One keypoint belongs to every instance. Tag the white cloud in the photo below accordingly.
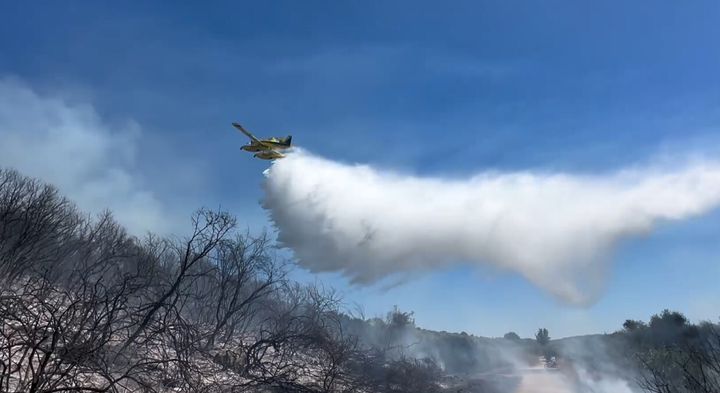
(68, 145)
(555, 229)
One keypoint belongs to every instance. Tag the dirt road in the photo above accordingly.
(541, 380)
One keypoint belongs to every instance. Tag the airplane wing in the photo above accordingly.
(244, 131)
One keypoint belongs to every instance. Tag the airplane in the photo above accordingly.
(265, 149)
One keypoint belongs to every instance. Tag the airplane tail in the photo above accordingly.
(287, 141)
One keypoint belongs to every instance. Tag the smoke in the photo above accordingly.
(555, 229)
(69, 145)
(598, 364)
(602, 383)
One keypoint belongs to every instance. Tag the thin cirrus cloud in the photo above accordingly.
(68, 144)
(556, 229)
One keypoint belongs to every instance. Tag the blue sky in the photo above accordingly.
(422, 87)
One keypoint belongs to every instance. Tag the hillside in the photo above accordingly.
(86, 307)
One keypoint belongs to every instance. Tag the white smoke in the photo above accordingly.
(69, 145)
(602, 383)
(555, 229)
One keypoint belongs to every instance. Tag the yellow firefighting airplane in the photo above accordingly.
(266, 149)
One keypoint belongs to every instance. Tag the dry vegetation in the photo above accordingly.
(84, 307)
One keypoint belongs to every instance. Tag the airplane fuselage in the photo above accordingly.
(266, 145)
